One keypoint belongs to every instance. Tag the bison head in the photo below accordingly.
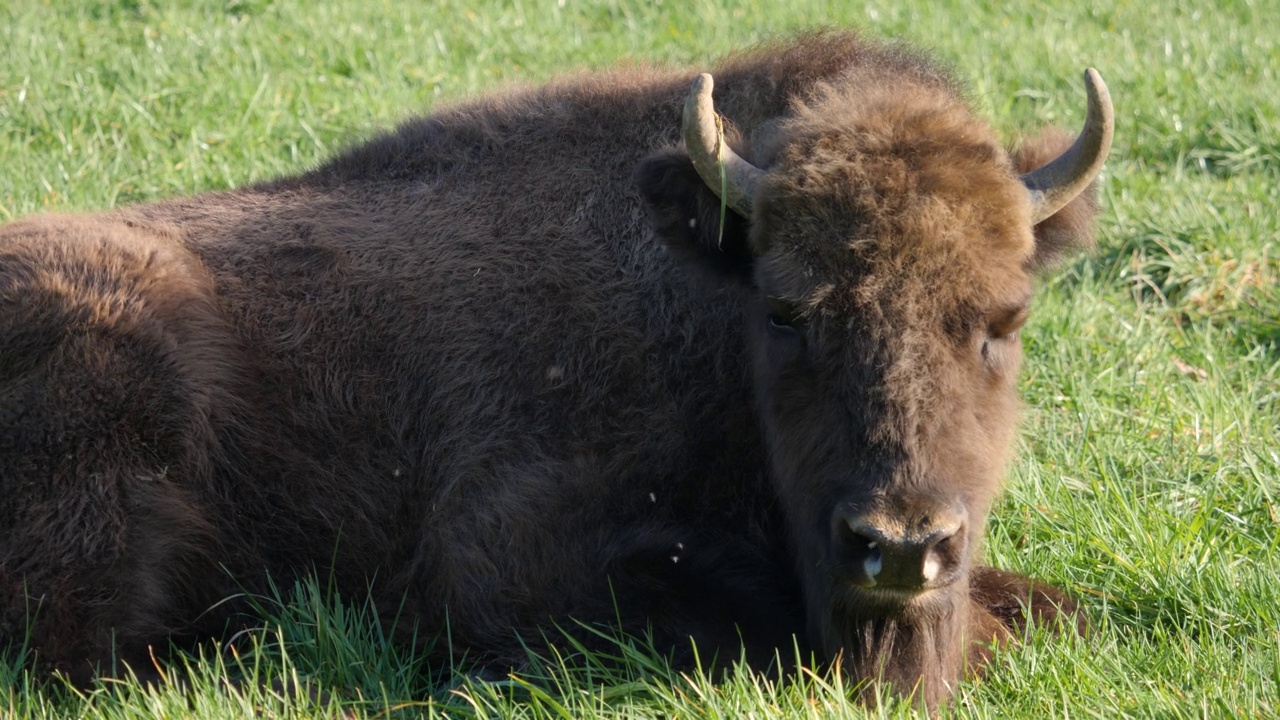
(885, 245)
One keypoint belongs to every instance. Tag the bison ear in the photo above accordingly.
(686, 215)
(1070, 229)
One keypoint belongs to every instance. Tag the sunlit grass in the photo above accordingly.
(1148, 478)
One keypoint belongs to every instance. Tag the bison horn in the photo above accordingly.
(1055, 184)
(730, 177)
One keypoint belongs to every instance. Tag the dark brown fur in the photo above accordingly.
(456, 361)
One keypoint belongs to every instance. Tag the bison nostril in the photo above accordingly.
(859, 549)
(939, 558)
(931, 567)
(879, 552)
(871, 565)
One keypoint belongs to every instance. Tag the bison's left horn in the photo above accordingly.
(730, 177)
(1055, 184)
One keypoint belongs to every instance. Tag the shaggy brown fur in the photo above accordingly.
(468, 360)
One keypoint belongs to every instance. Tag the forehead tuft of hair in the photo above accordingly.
(876, 178)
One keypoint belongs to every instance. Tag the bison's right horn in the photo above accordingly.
(1055, 184)
(730, 177)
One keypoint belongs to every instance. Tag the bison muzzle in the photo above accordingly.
(738, 369)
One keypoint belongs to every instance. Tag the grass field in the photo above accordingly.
(1148, 477)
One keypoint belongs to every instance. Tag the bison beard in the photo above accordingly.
(468, 359)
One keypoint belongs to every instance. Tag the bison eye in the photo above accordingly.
(992, 345)
(785, 328)
(786, 337)
(784, 317)
(780, 323)
(1002, 327)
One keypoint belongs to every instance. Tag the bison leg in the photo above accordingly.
(103, 546)
(1008, 597)
(1002, 602)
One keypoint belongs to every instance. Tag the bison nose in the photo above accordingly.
(884, 552)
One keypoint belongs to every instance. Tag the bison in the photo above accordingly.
(597, 352)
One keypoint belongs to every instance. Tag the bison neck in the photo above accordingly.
(919, 654)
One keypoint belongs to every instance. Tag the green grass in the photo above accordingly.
(1148, 480)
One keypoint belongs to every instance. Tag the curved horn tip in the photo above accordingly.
(703, 84)
(699, 102)
(1099, 97)
(1055, 184)
(1093, 78)
(716, 163)
(700, 110)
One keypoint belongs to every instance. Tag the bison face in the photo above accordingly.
(885, 245)
(885, 387)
